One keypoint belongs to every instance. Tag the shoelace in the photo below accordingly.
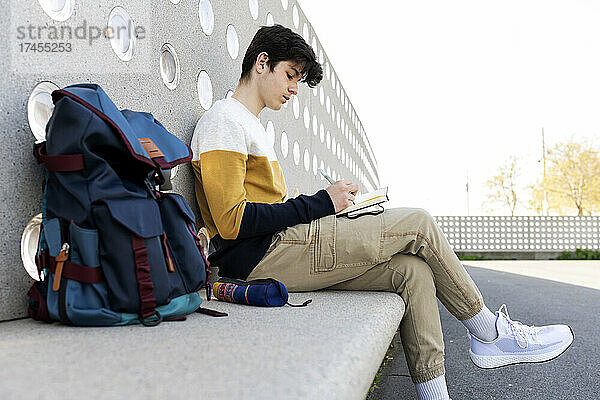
(518, 329)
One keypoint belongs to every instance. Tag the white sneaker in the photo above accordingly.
(517, 343)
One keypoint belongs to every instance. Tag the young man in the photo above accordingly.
(254, 233)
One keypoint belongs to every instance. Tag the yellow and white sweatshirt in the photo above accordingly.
(240, 188)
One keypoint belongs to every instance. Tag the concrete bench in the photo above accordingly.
(330, 349)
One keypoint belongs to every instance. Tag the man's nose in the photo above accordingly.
(293, 89)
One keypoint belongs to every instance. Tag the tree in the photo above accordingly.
(572, 180)
(503, 187)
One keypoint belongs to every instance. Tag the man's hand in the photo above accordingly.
(342, 194)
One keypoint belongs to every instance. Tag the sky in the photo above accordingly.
(447, 91)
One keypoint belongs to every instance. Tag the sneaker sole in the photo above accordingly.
(488, 362)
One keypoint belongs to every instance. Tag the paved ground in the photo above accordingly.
(584, 273)
(534, 301)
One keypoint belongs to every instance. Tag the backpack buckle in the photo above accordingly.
(164, 179)
(150, 183)
(161, 177)
(148, 321)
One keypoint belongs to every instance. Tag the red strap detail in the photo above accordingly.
(142, 273)
(175, 319)
(212, 313)
(77, 272)
(60, 163)
(199, 245)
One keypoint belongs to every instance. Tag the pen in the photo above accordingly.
(328, 177)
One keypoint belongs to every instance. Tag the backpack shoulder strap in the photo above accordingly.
(59, 163)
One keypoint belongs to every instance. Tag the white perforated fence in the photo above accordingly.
(521, 233)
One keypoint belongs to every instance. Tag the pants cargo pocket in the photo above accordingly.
(358, 241)
(274, 241)
(297, 234)
(324, 238)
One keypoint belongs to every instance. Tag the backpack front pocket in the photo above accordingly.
(178, 221)
(87, 303)
(131, 254)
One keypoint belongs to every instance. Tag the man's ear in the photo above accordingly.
(261, 61)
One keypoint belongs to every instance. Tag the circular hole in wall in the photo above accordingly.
(121, 31)
(169, 66)
(205, 92)
(295, 16)
(296, 151)
(306, 160)
(253, 6)
(306, 117)
(207, 17)
(29, 245)
(58, 10)
(284, 144)
(233, 44)
(296, 106)
(39, 109)
(174, 171)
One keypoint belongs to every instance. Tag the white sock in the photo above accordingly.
(434, 389)
(482, 325)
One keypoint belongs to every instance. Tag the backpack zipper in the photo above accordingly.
(60, 260)
(167, 254)
(172, 268)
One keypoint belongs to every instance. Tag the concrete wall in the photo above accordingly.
(303, 133)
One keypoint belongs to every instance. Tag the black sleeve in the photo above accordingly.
(264, 218)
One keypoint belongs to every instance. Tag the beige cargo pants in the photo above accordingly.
(401, 250)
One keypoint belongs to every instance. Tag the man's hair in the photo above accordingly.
(282, 44)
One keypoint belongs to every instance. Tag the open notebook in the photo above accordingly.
(366, 203)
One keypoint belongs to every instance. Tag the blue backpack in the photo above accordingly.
(113, 250)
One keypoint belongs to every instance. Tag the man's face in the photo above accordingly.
(279, 85)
